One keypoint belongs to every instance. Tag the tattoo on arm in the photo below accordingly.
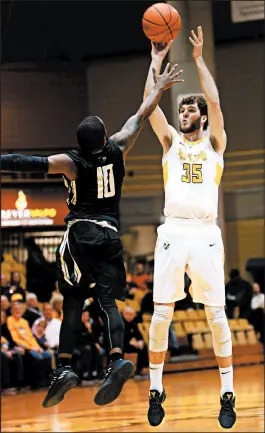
(128, 134)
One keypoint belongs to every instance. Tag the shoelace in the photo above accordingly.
(227, 407)
(155, 404)
(107, 373)
(53, 378)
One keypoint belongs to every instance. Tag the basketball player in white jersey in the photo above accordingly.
(190, 239)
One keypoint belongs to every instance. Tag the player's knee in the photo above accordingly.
(158, 333)
(221, 334)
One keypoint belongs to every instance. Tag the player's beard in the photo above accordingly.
(193, 127)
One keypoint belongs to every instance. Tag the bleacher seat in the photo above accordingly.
(202, 325)
(178, 328)
(180, 315)
(198, 342)
(201, 314)
(192, 314)
(189, 326)
(241, 338)
(251, 337)
(147, 317)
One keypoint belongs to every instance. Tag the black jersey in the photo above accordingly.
(97, 190)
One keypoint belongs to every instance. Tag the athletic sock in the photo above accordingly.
(63, 361)
(226, 375)
(156, 372)
(115, 356)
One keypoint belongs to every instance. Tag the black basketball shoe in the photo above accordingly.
(118, 373)
(227, 416)
(156, 412)
(63, 380)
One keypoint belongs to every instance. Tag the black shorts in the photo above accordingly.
(91, 255)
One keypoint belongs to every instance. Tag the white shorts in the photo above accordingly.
(195, 248)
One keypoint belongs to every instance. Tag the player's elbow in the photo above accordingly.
(214, 104)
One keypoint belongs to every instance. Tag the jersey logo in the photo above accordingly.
(211, 245)
(102, 159)
(166, 245)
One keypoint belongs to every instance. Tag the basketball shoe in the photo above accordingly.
(227, 416)
(118, 372)
(63, 380)
(156, 412)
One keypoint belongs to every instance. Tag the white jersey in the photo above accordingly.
(192, 173)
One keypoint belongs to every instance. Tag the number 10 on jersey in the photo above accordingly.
(106, 185)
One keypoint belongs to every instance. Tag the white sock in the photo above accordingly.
(226, 375)
(156, 372)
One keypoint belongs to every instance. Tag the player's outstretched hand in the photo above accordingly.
(159, 51)
(168, 77)
(197, 42)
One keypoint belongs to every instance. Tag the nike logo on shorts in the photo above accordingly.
(211, 245)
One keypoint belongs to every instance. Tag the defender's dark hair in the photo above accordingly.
(90, 134)
(200, 101)
(234, 273)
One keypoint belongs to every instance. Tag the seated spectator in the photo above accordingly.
(32, 311)
(5, 286)
(88, 354)
(53, 327)
(257, 311)
(128, 275)
(57, 305)
(16, 298)
(147, 303)
(238, 293)
(15, 286)
(5, 305)
(140, 277)
(39, 334)
(133, 341)
(39, 360)
(12, 368)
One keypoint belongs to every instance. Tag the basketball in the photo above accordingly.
(161, 23)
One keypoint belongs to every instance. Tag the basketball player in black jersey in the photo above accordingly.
(89, 258)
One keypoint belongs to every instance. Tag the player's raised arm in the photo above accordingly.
(55, 164)
(158, 120)
(128, 134)
(209, 88)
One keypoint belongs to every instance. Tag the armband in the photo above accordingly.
(32, 164)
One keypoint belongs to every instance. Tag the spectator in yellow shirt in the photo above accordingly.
(38, 359)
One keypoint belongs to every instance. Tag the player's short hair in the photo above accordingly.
(91, 134)
(234, 273)
(200, 101)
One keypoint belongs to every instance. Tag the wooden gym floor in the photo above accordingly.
(192, 405)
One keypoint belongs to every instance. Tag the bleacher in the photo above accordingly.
(193, 324)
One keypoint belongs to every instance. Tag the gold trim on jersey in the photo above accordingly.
(165, 173)
(219, 172)
(192, 143)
